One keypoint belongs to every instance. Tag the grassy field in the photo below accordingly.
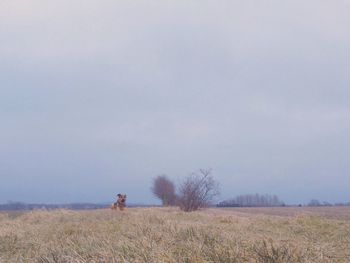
(169, 235)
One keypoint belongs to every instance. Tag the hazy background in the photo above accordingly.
(99, 96)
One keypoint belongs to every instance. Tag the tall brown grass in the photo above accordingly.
(169, 235)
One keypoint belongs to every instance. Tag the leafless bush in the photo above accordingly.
(164, 189)
(197, 190)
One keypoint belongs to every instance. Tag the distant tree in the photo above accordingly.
(325, 203)
(314, 202)
(164, 189)
(197, 190)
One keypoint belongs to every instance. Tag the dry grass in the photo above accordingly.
(169, 235)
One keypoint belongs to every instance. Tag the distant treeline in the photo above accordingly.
(315, 202)
(266, 200)
(19, 206)
(252, 200)
(255, 200)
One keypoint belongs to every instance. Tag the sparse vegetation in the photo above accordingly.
(170, 235)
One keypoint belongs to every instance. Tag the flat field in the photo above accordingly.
(169, 235)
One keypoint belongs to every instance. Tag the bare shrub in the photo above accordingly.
(197, 190)
(164, 189)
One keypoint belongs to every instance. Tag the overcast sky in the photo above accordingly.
(98, 97)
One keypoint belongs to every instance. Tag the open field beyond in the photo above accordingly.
(169, 235)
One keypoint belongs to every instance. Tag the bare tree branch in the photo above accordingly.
(197, 190)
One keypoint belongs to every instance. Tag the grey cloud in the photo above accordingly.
(98, 96)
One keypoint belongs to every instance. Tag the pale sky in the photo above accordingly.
(98, 97)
